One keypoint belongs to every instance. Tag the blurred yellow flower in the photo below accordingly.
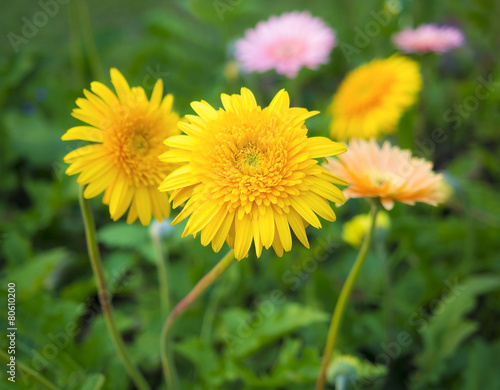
(231, 71)
(250, 174)
(372, 98)
(446, 190)
(354, 230)
(128, 131)
(387, 173)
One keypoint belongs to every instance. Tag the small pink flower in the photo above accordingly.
(286, 43)
(428, 38)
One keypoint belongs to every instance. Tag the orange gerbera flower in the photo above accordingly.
(388, 173)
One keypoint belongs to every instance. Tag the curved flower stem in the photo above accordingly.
(162, 272)
(34, 375)
(104, 295)
(342, 301)
(182, 306)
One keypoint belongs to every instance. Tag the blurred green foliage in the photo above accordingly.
(264, 324)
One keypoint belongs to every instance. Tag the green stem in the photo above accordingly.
(75, 45)
(88, 39)
(342, 301)
(182, 306)
(105, 296)
(162, 271)
(211, 308)
(382, 252)
(34, 375)
(216, 296)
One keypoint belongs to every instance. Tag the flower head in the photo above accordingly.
(447, 189)
(354, 230)
(128, 131)
(372, 98)
(353, 369)
(388, 173)
(428, 38)
(250, 174)
(286, 43)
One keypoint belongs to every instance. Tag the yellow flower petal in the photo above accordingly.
(323, 147)
(175, 156)
(104, 93)
(222, 233)
(243, 237)
(157, 94)
(280, 102)
(295, 221)
(84, 133)
(121, 86)
(209, 231)
(283, 230)
(301, 206)
(181, 177)
(143, 205)
(181, 142)
(266, 223)
(204, 110)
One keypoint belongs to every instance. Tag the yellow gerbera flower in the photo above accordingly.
(372, 98)
(354, 230)
(128, 131)
(250, 174)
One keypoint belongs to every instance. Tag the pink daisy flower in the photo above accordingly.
(286, 43)
(428, 38)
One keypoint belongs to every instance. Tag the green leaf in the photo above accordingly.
(93, 382)
(204, 358)
(33, 138)
(123, 235)
(36, 274)
(15, 247)
(246, 332)
(478, 374)
(294, 365)
(447, 329)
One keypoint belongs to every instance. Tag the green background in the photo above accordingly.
(264, 324)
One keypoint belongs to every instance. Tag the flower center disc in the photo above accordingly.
(249, 159)
(140, 145)
(381, 178)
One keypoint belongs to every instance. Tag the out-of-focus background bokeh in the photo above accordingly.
(426, 307)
